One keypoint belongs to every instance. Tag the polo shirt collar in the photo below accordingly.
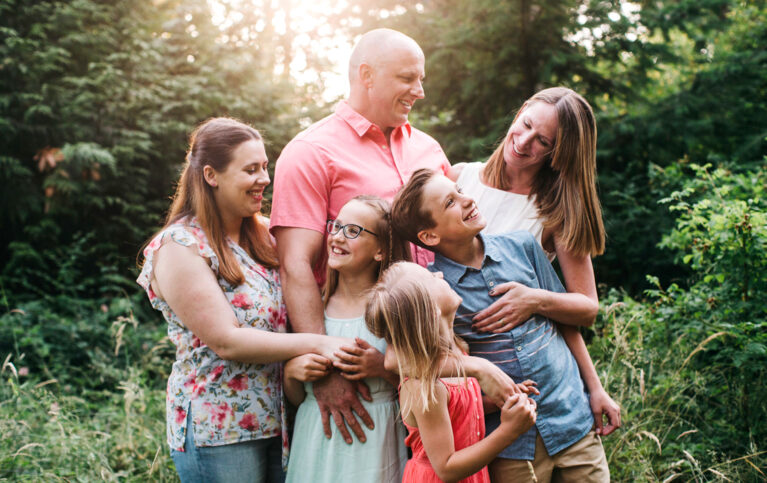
(454, 271)
(358, 122)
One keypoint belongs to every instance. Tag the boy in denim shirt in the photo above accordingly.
(431, 212)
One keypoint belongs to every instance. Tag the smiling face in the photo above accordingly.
(456, 217)
(359, 254)
(239, 189)
(394, 83)
(532, 135)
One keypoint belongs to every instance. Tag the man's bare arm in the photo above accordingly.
(298, 250)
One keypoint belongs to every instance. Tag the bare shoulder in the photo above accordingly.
(410, 396)
(455, 171)
(174, 258)
(172, 252)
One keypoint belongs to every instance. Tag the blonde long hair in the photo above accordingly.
(212, 143)
(565, 187)
(402, 312)
(394, 248)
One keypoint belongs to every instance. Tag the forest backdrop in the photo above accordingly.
(97, 99)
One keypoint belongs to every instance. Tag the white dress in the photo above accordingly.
(503, 211)
(380, 459)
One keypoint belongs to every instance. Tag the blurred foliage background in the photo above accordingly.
(97, 99)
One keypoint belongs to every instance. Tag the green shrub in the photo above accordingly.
(82, 392)
(86, 345)
(689, 365)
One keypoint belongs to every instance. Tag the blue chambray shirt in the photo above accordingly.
(533, 350)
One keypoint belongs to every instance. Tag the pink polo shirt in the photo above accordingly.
(340, 157)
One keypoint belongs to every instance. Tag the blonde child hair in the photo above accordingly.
(402, 312)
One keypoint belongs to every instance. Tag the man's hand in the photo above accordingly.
(338, 397)
(603, 405)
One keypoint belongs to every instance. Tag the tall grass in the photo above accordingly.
(108, 425)
(666, 435)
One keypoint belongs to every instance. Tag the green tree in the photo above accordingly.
(96, 100)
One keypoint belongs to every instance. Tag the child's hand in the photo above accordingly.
(495, 383)
(359, 361)
(528, 387)
(307, 367)
(518, 415)
(330, 345)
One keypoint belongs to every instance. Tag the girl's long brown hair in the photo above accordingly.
(565, 187)
(212, 143)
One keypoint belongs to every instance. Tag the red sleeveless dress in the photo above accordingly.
(468, 421)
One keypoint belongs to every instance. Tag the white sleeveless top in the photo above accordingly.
(503, 211)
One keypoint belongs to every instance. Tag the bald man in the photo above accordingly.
(366, 146)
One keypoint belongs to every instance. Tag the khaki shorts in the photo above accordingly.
(584, 461)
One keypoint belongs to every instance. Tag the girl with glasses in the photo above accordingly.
(360, 247)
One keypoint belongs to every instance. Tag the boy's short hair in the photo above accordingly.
(409, 216)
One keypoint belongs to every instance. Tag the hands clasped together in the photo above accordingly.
(338, 392)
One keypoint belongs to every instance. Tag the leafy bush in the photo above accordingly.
(690, 365)
(86, 345)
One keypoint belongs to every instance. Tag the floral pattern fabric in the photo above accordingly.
(230, 401)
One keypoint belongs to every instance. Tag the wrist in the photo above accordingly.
(593, 384)
(289, 370)
(541, 300)
(596, 389)
(317, 343)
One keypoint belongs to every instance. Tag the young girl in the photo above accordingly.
(413, 310)
(360, 246)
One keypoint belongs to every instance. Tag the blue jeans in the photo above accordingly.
(258, 461)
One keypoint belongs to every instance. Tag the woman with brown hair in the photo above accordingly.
(542, 178)
(212, 272)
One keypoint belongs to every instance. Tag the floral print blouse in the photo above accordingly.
(230, 401)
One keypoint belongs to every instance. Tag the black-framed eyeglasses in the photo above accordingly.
(351, 231)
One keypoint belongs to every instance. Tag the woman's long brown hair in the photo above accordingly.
(565, 187)
(212, 143)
